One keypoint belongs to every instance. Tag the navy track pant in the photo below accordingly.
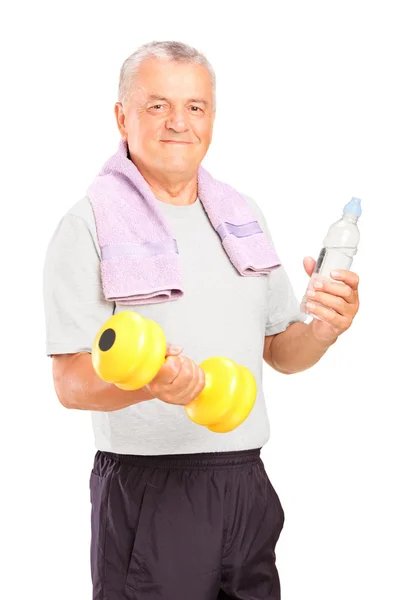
(184, 527)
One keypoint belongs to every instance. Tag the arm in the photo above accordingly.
(75, 309)
(301, 346)
(78, 386)
(179, 381)
(291, 346)
(294, 350)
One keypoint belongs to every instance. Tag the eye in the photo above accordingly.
(196, 108)
(157, 108)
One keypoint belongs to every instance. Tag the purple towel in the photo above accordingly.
(139, 256)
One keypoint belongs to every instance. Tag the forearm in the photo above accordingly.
(78, 386)
(296, 349)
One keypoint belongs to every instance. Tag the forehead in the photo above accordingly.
(175, 79)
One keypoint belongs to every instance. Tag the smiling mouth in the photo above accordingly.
(174, 142)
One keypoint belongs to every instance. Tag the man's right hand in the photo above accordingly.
(179, 381)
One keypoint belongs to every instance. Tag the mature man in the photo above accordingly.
(178, 512)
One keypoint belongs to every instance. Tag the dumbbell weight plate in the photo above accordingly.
(228, 395)
(243, 405)
(129, 350)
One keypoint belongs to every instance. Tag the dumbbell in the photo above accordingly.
(129, 350)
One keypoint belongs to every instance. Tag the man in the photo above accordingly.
(179, 512)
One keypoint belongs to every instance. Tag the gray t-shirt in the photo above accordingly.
(221, 313)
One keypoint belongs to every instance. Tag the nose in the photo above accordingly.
(177, 121)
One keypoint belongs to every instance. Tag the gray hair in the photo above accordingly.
(161, 50)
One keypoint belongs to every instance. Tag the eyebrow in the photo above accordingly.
(163, 99)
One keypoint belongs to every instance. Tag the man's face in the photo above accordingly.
(169, 119)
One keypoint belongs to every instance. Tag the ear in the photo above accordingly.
(212, 125)
(120, 118)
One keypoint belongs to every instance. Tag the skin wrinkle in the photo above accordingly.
(162, 107)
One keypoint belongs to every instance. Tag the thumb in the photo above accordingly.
(172, 350)
(168, 371)
(309, 264)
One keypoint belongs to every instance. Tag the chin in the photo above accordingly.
(177, 167)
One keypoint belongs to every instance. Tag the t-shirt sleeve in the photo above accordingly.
(74, 304)
(283, 308)
(282, 305)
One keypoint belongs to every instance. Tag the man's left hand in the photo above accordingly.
(337, 306)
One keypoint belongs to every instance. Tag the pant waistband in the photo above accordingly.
(206, 460)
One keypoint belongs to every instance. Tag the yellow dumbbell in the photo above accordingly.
(129, 350)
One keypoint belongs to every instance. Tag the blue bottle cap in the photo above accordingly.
(353, 207)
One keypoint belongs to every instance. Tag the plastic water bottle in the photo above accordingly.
(338, 248)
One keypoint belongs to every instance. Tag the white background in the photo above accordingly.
(308, 116)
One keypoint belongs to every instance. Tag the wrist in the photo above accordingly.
(322, 341)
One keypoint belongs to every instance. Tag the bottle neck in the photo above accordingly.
(350, 218)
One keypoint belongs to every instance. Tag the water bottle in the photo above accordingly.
(338, 248)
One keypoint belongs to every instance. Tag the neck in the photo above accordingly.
(173, 189)
(180, 193)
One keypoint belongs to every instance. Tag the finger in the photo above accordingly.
(195, 388)
(198, 381)
(309, 264)
(169, 371)
(185, 377)
(172, 350)
(201, 382)
(349, 277)
(336, 303)
(328, 315)
(336, 289)
(176, 385)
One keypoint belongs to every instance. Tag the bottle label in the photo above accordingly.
(320, 261)
(331, 259)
